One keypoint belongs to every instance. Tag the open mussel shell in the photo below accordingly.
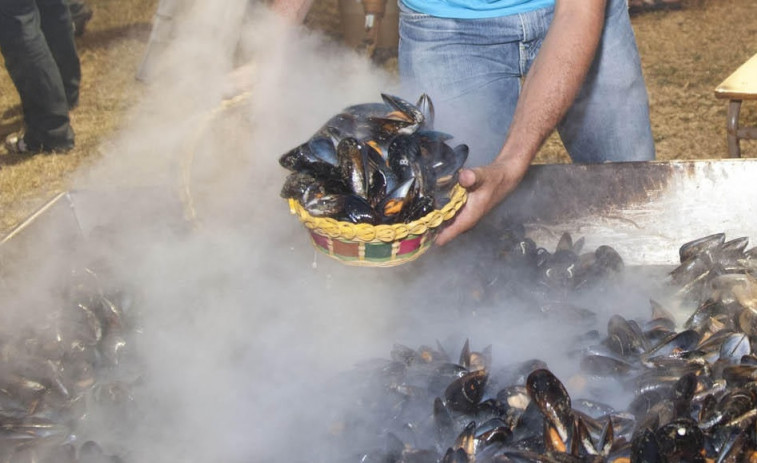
(404, 110)
(464, 393)
(426, 107)
(395, 202)
(313, 157)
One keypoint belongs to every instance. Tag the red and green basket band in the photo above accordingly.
(374, 253)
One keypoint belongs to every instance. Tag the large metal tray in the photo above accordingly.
(645, 209)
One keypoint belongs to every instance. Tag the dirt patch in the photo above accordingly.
(685, 54)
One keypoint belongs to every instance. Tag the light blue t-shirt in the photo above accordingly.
(472, 9)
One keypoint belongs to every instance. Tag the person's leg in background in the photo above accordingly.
(59, 29)
(37, 78)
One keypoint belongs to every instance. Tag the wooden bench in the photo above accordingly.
(739, 86)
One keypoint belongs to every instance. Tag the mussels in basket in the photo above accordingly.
(375, 163)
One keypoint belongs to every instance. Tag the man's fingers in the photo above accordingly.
(467, 178)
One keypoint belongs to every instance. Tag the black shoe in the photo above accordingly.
(15, 144)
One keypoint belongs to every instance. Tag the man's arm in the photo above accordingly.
(548, 91)
(292, 10)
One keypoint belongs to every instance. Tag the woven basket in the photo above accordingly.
(369, 245)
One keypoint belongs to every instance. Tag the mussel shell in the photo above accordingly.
(323, 148)
(464, 393)
(328, 205)
(700, 246)
(357, 210)
(404, 157)
(353, 157)
(681, 438)
(624, 337)
(683, 341)
(299, 185)
(407, 109)
(599, 363)
(391, 207)
(734, 347)
(426, 107)
(303, 159)
(550, 395)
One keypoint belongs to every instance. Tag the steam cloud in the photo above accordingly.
(243, 328)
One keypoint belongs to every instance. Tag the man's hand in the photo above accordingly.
(486, 187)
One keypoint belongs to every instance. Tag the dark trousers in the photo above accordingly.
(37, 43)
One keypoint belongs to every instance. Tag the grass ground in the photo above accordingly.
(684, 53)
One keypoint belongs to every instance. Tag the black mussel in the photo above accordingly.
(420, 207)
(608, 259)
(734, 347)
(357, 210)
(426, 107)
(559, 269)
(352, 157)
(404, 110)
(689, 270)
(404, 157)
(446, 173)
(383, 129)
(680, 439)
(700, 246)
(674, 344)
(747, 318)
(739, 375)
(706, 311)
(299, 185)
(733, 249)
(645, 448)
(464, 393)
(736, 445)
(491, 431)
(466, 440)
(550, 395)
(324, 148)
(395, 201)
(624, 337)
(304, 159)
(329, 205)
(734, 404)
(598, 363)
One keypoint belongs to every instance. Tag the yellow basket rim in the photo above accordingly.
(367, 233)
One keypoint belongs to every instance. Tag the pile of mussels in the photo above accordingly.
(694, 387)
(375, 163)
(58, 373)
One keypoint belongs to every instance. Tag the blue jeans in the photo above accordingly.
(37, 43)
(472, 70)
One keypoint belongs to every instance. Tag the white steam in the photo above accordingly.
(242, 326)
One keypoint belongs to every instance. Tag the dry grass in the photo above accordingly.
(685, 54)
